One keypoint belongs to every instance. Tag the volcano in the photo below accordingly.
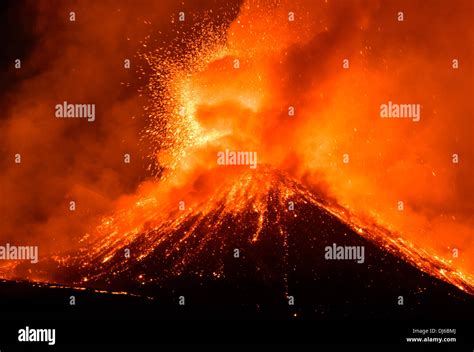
(260, 241)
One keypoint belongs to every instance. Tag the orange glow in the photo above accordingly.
(204, 101)
(284, 64)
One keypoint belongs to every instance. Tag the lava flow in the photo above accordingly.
(271, 220)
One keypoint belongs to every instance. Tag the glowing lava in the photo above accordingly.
(263, 214)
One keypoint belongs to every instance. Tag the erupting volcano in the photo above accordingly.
(265, 151)
(258, 239)
(261, 226)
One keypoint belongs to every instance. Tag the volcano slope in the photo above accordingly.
(257, 246)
